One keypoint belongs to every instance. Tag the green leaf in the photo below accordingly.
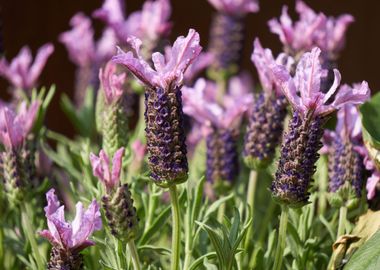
(367, 257)
(159, 250)
(370, 112)
(198, 262)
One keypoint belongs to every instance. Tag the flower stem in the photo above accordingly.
(342, 221)
(176, 240)
(134, 255)
(281, 237)
(251, 202)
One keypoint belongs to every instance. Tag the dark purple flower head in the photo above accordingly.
(312, 29)
(311, 108)
(21, 72)
(149, 24)
(220, 123)
(235, 7)
(80, 43)
(14, 127)
(71, 236)
(345, 162)
(163, 105)
(168, 70)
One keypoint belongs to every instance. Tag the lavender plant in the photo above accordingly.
(163, 134)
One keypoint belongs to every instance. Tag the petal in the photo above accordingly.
(154, 19)
(112, 84)
(371, 185)
(112, 12)
(90, 221)
(199, 64)
(97, 169)
(356, 95)
(35, 70)
(284, 80)
(183, 53)
(117, 166)
(137, 67)
(27, 117)
(105, 165)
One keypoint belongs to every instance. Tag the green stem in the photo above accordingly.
(29, 231)
(342, 221)
(251, 202)
(281, 238)
(188, 237)
(151, 207)
(176, 240)
(221, 211)
(135, 256)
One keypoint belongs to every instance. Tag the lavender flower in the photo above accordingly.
(21, 72)
(14, 129)
(227, 34)
(235, 7)
(203, 61)
(220, 122)
(85, 53)
(301, 143)
(149, 24)
(163, 113)
(117, 202)
(266, 117)
(311, 30)
(69, 239)
(345, 162)
(114, 120)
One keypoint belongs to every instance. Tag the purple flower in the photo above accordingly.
(169, 69)
(139, 150)
(220, 123)
(235, 7)
(303, 91)
(311, 30)
(80, 43)
(201, 103)
(14, 127)
(263, 60)
(345, 162)
(311, 107)
(21, 72)
(101, 168)
(70, 236)
(202, 62)
(112, 83)
(149, 24)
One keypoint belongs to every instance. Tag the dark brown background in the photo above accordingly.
(35, 22)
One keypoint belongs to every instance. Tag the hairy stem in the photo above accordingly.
(251, 202)
(342, 221)
(134, 255)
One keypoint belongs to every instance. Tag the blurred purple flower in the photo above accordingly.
(303, 91)
(70, 236)
(21, 72)
(101, 168)
(169, 69)
(149, 24)
(264, 61)
(80, 43)
(139, 150)
(112, 83)
(201, 103)
(14, 127)
(235, 7)
(202, 62)
(311, 30)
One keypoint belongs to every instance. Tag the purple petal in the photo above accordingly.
(112, 12)
(199, 64)
(237, 8)
(356, 95)
(283, 28)
(117, 166)
(349, 122)
(137, 66)
(35, 70)
(371, 185)
(112, 84)
(79, 41)
(154, 19)
(85, 223)
(139, 149)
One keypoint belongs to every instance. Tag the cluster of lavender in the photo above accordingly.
(301, 83)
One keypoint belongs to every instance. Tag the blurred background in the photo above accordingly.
(35, 22)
